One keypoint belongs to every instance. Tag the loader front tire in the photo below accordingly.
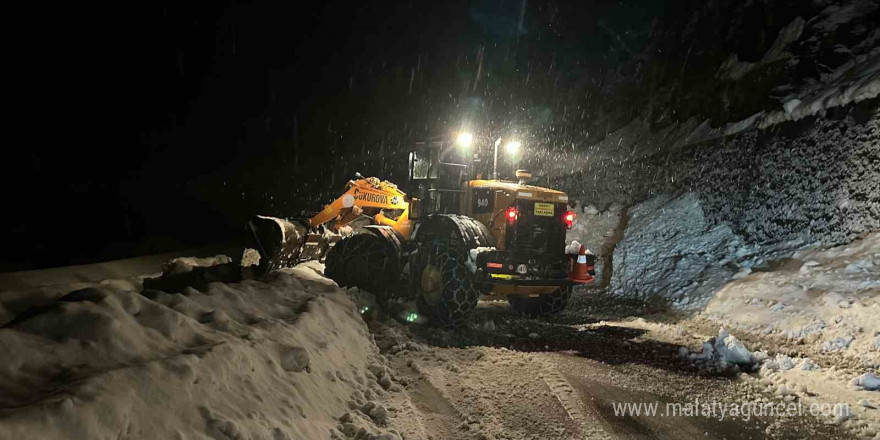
(364, 261)
(542, 305)
(446, 292)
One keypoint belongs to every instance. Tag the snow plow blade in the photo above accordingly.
(278, 241)
(284, 243)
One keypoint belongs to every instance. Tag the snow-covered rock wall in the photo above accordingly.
(749, 198)
(817, 181)
(671, 250)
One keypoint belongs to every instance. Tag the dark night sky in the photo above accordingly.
(158, 114)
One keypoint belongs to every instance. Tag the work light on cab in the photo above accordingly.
(464, 140)
(568, 219)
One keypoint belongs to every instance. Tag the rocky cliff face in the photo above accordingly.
(672, 250)
(816, 180)
(778, 149)
(749, 199)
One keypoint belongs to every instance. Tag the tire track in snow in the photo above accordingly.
(568, 398)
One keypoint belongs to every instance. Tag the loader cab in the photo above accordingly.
(437, 171)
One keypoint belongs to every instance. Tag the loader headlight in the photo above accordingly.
(465, 140)
(513, 148)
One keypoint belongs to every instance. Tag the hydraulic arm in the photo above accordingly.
(283, 243)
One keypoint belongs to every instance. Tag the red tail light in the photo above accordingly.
(568, 219)
(511, 214)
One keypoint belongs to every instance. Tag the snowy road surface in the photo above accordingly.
(529, 379)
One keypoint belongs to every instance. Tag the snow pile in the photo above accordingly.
(837, 344)
(731, 350)
(868, 381)
(573, 248)
(783, 363)
(725, 353)
(22, 290)
(829, 309)
(181, 274)
(801, 380)
(281, 358)
(722, 353)
(828, 315)
(186, 264)
(780, 362)
(471, 263)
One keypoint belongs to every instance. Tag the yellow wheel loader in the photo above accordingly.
(455, 240)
